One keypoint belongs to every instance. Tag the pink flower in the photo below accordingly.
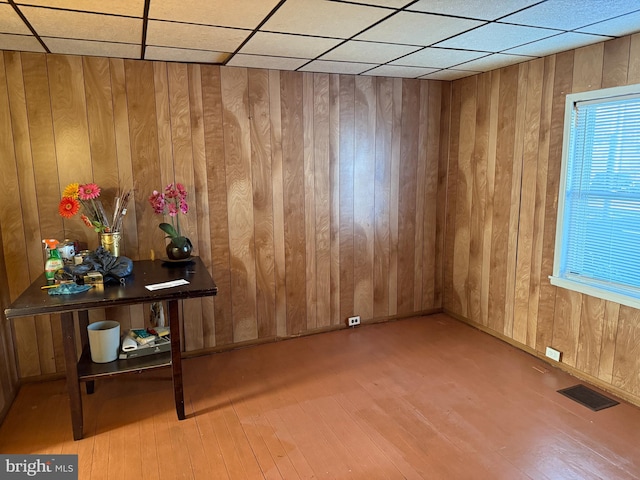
(171, 202)
(157, 201)
(88, 191)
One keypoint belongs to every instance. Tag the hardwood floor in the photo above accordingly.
(425, 397)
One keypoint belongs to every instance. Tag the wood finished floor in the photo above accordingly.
(422, 398)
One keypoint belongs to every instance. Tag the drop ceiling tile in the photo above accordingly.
(465, 8)
(184, 55)
(491, 62)
(322, 18)
(86, 26)
(196, 37)
(399, 71)
(273, 63)
(132, 8)
(326, 66)
(240, 14)
(24, 43)
(558, 43)
(449, 75)
(438, 57)
(417, 29)
(495, 37)
(571, 14)
(286, 45)
(619, 26)
(385, 3)
(10, 21)
(358, 51)
(85, 47)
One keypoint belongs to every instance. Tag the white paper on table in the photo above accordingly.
(172, 283)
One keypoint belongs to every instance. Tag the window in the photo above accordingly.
(598, 231)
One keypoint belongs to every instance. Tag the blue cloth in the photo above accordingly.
(69, 289)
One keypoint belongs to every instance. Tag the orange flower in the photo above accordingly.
(86, 221)
(68, 207)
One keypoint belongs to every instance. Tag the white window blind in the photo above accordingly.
(598, 244)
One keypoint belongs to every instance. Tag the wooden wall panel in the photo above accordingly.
(312, 197)
(309, 197)
(407, 195)
(8, 373)
(382, 246)
(531, 138)
(478, 200)
(291, 96)
(364, 195)
(345, 193)
(262, 201)
(237, 138)
(322, 187)
(464, 193)
(217, 195)
(598, 338)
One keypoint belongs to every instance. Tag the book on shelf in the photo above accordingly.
(142, 336)
(159, 345)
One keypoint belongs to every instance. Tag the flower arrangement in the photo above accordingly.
(86, 196)
(172, 201)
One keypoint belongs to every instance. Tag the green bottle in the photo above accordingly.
(54, 262)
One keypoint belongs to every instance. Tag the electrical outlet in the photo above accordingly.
(353, 321)
(553, 354)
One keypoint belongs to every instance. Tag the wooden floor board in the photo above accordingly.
(425, 397)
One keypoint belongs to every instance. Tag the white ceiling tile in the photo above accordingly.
(10, 21)
(438, 57)
(235, 13)
(417, 29)
(184, 55)
(465, 8)
(326, 66)
(449, 75)
(558, 43)
(286, 45)
(571, 14)
(86, 26)
(491, 62)
(495, 37)
(132, 8)
(619, 26)
(322, 18)
(24, 43)
(399, 71)
(197, 37)
(385, 3)
(85, 47)
(357, 51)
(273, 63)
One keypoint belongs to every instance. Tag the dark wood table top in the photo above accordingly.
(35, 301)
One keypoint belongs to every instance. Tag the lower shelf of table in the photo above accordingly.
(88, 370)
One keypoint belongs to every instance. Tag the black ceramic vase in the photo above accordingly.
(179, 249)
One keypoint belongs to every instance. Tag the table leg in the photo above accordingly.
(71, 365)
(176, 358)
(83, 322)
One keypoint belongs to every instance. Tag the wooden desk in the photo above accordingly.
(34, 301)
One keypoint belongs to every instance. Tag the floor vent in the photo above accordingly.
(589, 398)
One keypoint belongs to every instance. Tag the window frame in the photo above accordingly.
(576, 282)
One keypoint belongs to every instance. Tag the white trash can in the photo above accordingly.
(104, 341)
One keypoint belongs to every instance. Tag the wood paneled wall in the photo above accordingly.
(505, 156)
(8, 371)
(312, 196)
